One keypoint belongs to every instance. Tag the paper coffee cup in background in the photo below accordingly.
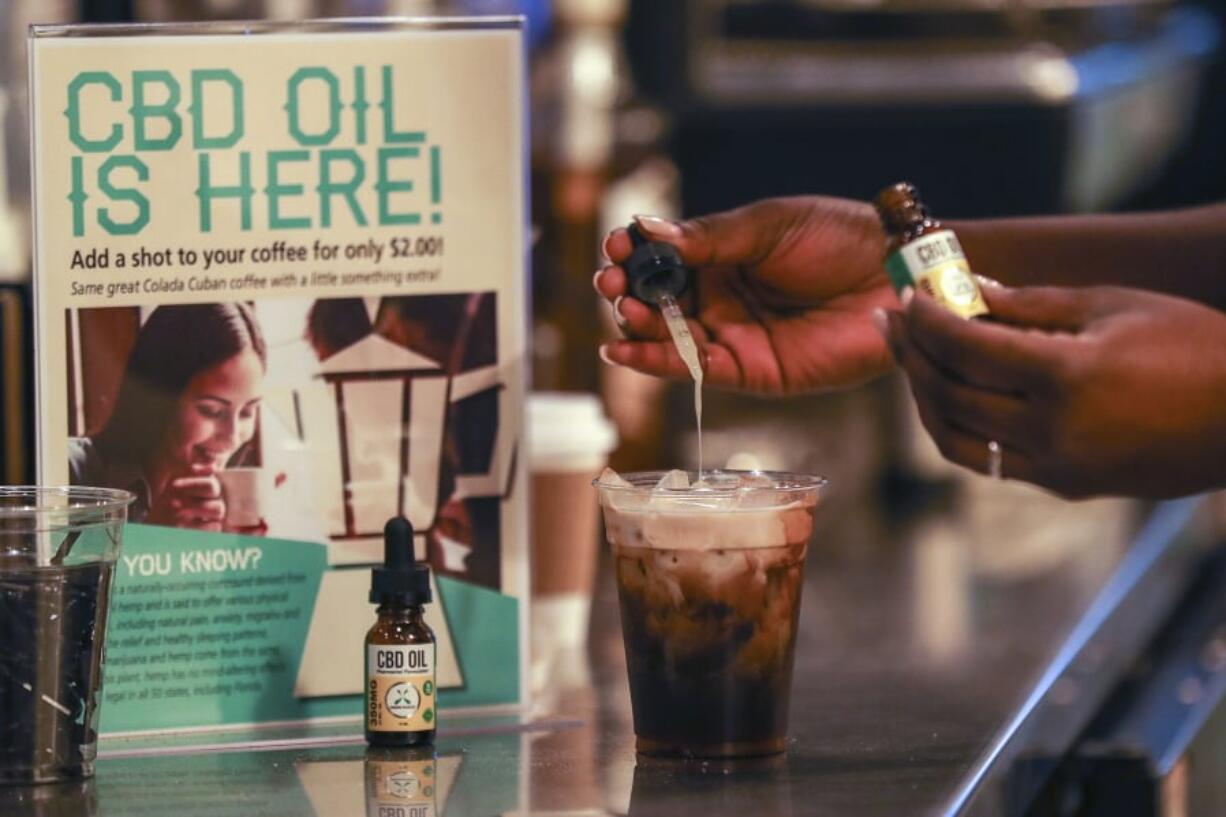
(569, 442)
(243, 490)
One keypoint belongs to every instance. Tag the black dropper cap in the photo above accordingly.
(401, 580)
(654, 268)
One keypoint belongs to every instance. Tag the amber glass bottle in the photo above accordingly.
(400, 649)
(921, 252)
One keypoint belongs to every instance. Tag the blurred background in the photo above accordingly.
(679, 107)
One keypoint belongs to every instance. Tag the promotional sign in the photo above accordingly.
(280, 296)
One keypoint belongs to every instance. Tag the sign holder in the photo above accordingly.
(281, 294)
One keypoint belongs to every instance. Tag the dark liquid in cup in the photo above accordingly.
(710, 638)
(52, 626)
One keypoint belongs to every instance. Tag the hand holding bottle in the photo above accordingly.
(781, 300)
(1087, 390)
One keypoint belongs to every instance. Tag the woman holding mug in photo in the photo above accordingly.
(188, 406)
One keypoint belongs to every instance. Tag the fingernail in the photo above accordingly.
(906, 296)
(618, 317)
(604, 247)
(881, 322)
(596, 280)
(603, 351)
(985, 281)
(657, 226)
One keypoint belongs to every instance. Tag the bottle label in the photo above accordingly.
(400, 687)
(936, 264)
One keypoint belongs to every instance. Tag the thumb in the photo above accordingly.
(1053, 309)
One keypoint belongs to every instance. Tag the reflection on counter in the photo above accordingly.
(385, 783)
(408, 782)
(75, 799)
(1003, 533)
(577, 770)
(762, 786)
(480, 774)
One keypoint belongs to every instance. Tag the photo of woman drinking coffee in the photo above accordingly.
(186, 406)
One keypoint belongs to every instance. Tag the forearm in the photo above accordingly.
(1181, 252)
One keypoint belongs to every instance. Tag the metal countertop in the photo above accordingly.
(946, 658)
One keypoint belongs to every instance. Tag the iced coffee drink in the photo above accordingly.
(709, 578)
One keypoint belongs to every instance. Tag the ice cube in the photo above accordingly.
(623, 497)
(674, 480)
(666, 502)
(672, 493)
(718, 481)
(716, 491)
(759, 498)
(714, 499)
(755, 491)
(754, 479)
(721, 567)
(613, 479)
(629, 501)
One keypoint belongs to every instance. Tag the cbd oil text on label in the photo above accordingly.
(400, 688)
(936, 264)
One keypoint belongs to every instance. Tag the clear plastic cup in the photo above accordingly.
(58, 548)
(709, 581)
